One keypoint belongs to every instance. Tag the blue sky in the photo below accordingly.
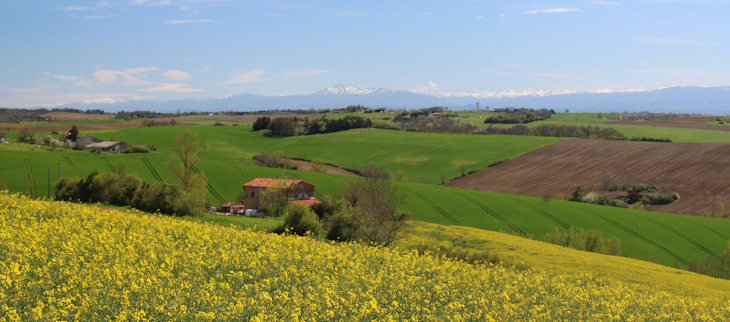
(57, 52)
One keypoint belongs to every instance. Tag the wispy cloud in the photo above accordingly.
(141, 70)
(148, 3)
(172, 88)
(175, 22)
(305, 73)
(555, 75)
(127, 77)
(204, 69)
(251, 76)
(176, 75)
(93, 17)
(499, 72)
(478, 17)
(72, 8)
(75, 80)
(604, 2)
(552, 10)
(432, 85)
(671, 41)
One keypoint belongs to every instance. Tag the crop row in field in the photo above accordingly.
(66, 262)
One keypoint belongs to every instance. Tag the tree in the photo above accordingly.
(261, 123)
(73, 134)
(26, 135)
(183, 158)
(282, 127)
(376, 220)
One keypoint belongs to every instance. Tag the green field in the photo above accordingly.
(674, 238)
(423, 157)
(675, 134)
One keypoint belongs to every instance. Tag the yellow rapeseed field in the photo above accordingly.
(69, 262)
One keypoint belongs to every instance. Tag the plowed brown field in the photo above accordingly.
(700, 173)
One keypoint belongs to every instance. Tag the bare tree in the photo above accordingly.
(183, 158)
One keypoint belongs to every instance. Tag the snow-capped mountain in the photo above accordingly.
(686, 99)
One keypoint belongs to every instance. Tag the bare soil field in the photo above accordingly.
(683, 123)
(65, 127)
(700, 173)
(307, 166)
(66, 116)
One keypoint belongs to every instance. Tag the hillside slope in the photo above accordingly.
(65, 262)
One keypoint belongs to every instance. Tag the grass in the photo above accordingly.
(673, 238)
(675, 134)
(423, 157)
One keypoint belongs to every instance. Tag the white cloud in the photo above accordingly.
(73, 8)
(205, 69)
(76, 80)
(176, 75)
(172, 88)
(479, 17)
(305, 73)
(670, 41)
(251, 76)
(552, 10)
(176, 22)
(106, 76)
(140, 70)
(148, 3)
(432, 85)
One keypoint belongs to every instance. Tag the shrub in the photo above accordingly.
(136, 149)
(274, 160)
(589, 240)
(300, 220)
(95, 149)
(26, 135)
(47, 140)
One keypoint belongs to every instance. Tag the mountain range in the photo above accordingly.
(681, 99)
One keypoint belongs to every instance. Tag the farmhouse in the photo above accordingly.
(296, 190)
(113, 146)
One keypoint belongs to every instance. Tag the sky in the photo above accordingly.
(57, 52)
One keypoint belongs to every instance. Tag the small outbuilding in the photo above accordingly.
(109, 146)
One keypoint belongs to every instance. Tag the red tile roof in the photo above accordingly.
(270, 182)
(307, 202)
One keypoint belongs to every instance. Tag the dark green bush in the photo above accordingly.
(300, 220)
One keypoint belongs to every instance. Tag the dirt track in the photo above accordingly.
(700, 173)
(307, 166)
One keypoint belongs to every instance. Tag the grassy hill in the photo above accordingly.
(673, 238)
(423, 157)
(62, 261)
